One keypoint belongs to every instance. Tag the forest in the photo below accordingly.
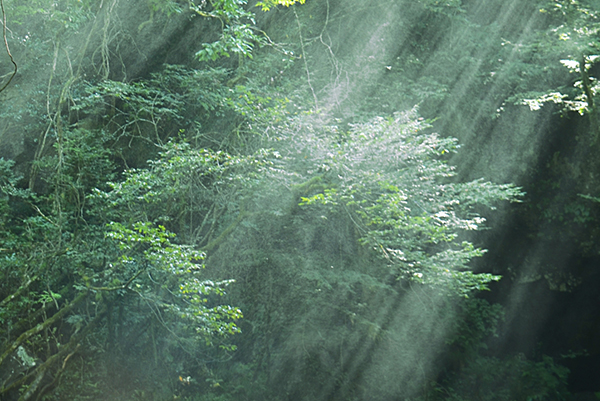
(303, 200)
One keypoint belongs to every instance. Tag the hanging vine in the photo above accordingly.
(12, 60)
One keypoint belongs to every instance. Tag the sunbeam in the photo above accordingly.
(299, 200)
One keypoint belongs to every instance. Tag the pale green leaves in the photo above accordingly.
(536, 103)
(267, 4)
(239, 36)
(236, 39)
(151, 249)
(572, 65)
(25, 358)
(154, 243)
(238, 33)
(400, 194)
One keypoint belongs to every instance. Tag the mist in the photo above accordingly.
(289, 200)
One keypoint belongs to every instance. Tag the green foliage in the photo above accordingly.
(479, 321)
(574, 24)
(381, 220)
(409, 211)
(236, 39)
(511, 378)
(178, 102)
(146, 247)
(61, 251)
(69, 15)
(477, 376)
(186, 187)
(238, 33)
(351, 244)
(575, 41)
(8, 180)
(169, 7)
(266, 5)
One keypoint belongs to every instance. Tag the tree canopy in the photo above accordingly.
(215, 200)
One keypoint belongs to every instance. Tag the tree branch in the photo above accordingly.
(38, 328)
(119, 287)
(12, 60)
(73, 343)
(217, 241)
(22, 288)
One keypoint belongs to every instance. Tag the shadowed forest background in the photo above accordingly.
(300, 200)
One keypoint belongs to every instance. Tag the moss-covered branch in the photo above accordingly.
(72, 346)
(38, 328)
(217, 241)
(17, 293)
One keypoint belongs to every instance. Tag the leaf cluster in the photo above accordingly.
(391, 175)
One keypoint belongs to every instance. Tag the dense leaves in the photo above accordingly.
(391, 176)
(274, 226)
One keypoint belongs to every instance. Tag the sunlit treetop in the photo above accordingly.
(267, 4)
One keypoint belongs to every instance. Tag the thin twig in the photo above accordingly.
(304, 57)
(12, 60)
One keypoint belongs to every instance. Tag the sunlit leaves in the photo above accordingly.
(536, 103)
(577, 24)
(577, 102)
(389, 174)
(186, 183)
(238, 34)
(267, 4)
(236, 39)
(178, 267)
(575, 42)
